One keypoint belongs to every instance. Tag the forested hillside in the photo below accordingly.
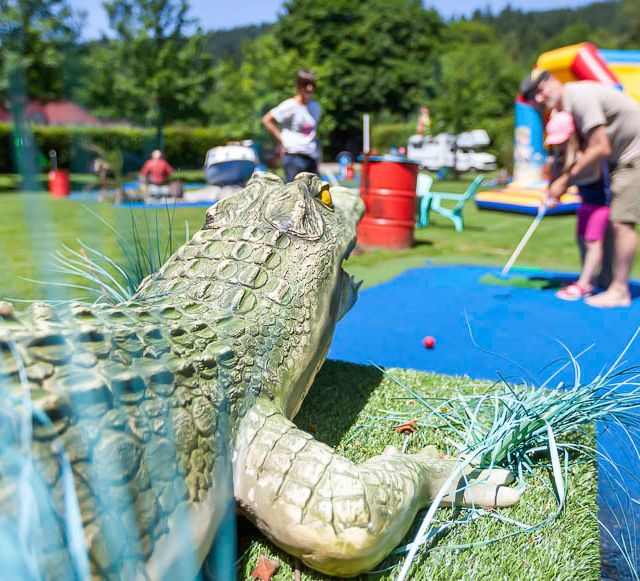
(524, 33)
(227, 44)
(527, 34)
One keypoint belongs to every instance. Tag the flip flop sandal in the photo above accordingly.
(574, 292)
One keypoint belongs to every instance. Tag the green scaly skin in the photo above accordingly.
(150, 401)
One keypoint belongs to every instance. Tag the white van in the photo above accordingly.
(447, 150)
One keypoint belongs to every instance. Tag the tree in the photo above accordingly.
(631, 23)
(240, 95)
(363, 64)
(33, 37)
(525, 32)
(379, 53)
(477, 82)
(375, 56)
(581, 32)
(152, 72)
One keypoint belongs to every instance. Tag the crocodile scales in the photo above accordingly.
(135, 411)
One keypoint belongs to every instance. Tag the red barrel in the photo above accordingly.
(59, 183)
(388, 190)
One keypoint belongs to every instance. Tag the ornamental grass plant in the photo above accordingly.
(519, 427)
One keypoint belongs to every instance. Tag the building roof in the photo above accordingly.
(54, 113)
(68, 113)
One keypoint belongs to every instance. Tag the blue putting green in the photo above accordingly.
(483, 330)
(521, 333)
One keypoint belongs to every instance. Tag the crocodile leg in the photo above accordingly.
(338, 517)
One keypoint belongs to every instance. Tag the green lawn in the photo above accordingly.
(489, 238)
(33, 225)
(79, 181)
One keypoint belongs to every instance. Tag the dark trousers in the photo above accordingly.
(294, 163)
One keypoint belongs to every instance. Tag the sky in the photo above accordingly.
(222, 14)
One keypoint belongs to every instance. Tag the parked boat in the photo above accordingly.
(230, 164)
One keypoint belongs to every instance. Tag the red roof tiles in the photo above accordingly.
(55, 113)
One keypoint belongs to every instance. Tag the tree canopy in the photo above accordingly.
(377, 56)
(153, 71)
(383, 57)
(33, 37)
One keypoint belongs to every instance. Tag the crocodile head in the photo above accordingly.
(312, 228)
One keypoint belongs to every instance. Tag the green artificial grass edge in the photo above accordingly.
(344, 409)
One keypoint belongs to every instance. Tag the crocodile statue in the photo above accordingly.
(124, 426)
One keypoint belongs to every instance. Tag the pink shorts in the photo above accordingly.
(593, 222)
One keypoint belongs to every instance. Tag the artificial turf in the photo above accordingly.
(345, 409)
(521, 281)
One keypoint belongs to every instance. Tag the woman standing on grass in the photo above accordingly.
(297, 137)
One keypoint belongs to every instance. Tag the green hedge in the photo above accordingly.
(384, 136)
(185, 147)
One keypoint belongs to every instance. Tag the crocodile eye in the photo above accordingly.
(325, 196)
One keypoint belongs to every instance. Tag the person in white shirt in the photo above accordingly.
(297, 136)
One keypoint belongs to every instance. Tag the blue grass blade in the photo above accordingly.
(624, 351)
(498, 355)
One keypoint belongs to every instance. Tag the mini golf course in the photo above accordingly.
(516, 330)
(482, 330)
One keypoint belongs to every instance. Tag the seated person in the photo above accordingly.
(105, 174)
(155, 173)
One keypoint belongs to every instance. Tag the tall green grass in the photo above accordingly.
(144, 246)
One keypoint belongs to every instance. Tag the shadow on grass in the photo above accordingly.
(475, 228)
(419, 243)
(337, 396)
(441, 225)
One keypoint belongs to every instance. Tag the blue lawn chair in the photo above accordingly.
(423, 193)
(432, 202)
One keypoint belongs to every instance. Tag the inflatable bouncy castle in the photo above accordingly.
(578, 62)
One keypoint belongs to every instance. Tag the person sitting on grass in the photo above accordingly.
(593, 213)
(155, 172)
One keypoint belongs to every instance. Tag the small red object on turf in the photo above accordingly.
(429, 342)
(265, 569)
(407, 428)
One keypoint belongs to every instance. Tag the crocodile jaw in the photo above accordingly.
(339, 302)
(349, 294)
